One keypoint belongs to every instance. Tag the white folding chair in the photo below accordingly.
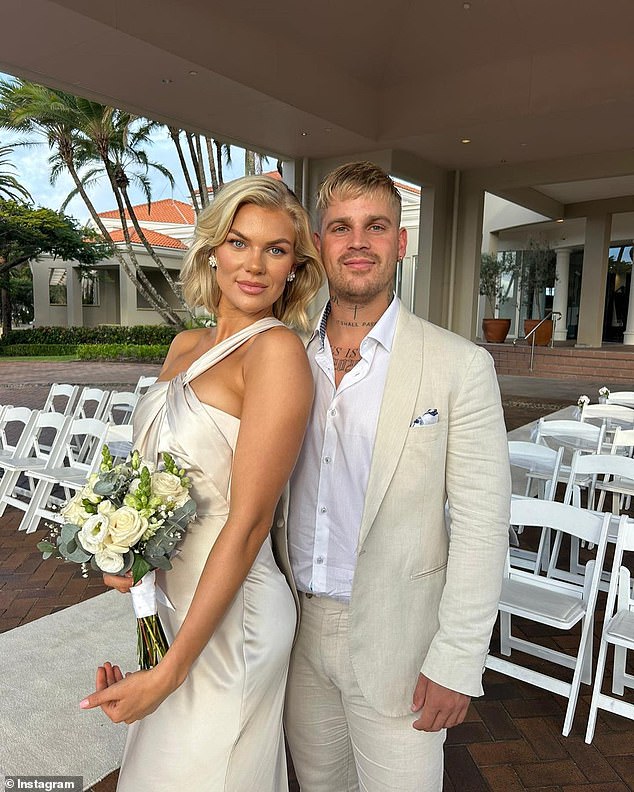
(571, 436)
(625, 398)
(15, 426)
(69, 471)
(66, 393)
(534, 472)
(120, 407)
(119, 440)
(92, 403)
(43, 446)
(556, 603)
(143, 384)
(618, 630)
(610, 415)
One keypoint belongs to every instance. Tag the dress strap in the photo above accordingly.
(229, 345)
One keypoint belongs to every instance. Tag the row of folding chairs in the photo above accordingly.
(568, 604)
(52, 450)
(46, 455)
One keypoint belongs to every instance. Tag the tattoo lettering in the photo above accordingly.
(345, 359)
(354, 324)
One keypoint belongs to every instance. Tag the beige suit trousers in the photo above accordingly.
(338, 742)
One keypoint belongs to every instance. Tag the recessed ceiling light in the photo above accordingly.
(560, 220)
(466, 6)
(466, 140)
(328, 129)
(166, 81)
(193, 73)
(304, 134)
(523, 144)
(503, 162)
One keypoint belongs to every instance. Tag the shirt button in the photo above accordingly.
(319, 560)
(323, 510)
(333, 412)
(327, 460)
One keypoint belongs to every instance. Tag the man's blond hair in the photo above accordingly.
(354, 180)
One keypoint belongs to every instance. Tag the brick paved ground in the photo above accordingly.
(511, 740)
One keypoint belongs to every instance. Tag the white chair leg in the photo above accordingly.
(505, 633)
(618, 673)
(39, 498)
(596, 691)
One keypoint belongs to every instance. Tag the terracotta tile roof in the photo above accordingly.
(166, 211)
(153, 237)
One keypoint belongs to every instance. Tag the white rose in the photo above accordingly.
(108, 560)
(167, 486)
(126, 526)
(106, 507)
(93, 532)
(89, 494)
(73, 512)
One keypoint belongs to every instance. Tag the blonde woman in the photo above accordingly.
(231, 404)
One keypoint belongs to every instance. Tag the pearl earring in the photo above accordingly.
(291, 276)
(213, 261)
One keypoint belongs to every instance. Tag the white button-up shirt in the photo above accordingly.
(330, 479)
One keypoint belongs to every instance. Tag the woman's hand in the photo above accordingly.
(131, 697)
(122, 583)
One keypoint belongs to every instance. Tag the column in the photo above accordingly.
(593, 280)
(560, 302)
(628, 336)
(430, 287)
(465, 283)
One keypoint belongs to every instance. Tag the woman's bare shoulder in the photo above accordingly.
(275, 346)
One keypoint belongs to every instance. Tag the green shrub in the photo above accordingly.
(149, 352)
(37, 350)
(102, 334)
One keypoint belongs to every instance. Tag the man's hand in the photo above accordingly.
(441, 707)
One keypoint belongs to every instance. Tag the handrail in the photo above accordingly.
(554, 315)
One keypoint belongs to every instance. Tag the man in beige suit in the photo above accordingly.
(397, 610)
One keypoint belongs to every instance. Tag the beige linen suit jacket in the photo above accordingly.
(424, 598)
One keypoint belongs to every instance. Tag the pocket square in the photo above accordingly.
(428, 417)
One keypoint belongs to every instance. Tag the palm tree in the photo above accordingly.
(115, 139)
(217, 154)
(10, 187)
(53, 114)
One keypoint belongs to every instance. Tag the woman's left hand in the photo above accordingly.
(128, 698)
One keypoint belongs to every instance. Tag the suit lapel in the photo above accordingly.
(399, 398)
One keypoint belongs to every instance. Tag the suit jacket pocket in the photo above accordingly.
(425, 434)
(427, 572)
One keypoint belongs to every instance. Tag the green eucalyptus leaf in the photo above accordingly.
(69, 532)
(46, 547)
(78, 556)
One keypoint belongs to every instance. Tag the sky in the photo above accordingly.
(33, 172)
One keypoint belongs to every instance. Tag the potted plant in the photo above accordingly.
(537, 273)
(497, 275)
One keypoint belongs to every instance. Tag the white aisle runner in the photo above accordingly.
(46, 669)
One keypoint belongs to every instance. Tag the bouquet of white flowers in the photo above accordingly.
(128, 517)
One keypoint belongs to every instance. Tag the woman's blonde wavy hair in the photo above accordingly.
(198, 279)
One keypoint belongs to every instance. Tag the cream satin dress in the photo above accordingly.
(222, 729)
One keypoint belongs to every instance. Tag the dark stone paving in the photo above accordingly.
(511, 740)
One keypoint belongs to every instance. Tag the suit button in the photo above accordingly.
(280, 522)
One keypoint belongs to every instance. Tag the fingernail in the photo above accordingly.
(84, 704)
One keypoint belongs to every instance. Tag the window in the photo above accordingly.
(57, 286)
(90, 287)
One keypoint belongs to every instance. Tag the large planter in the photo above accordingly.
(542, 335)
(496, 330)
